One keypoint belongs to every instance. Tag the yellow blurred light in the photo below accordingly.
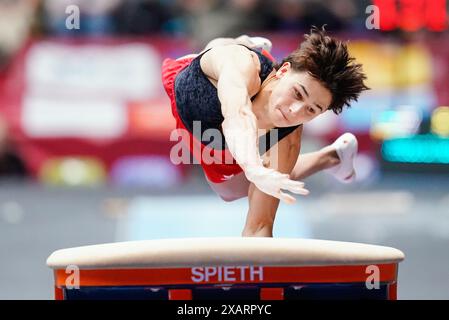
(439, 122)
(390, 66)
(73, 171)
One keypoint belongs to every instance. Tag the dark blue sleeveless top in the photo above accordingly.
(197, 100)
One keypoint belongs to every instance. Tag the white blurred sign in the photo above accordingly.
(73, 118)
(127, 71)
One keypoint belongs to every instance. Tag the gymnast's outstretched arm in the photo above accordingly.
(262, 207)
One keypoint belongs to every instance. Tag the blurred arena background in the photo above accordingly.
(85, 126)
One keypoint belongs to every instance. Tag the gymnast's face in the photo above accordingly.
(296, 98)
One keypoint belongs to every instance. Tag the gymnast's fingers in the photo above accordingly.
(297, 190)
(286, 197)
(292, 183)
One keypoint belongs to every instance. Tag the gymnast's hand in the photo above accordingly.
(272, 182)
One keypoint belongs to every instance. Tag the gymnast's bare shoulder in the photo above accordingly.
(234, 60)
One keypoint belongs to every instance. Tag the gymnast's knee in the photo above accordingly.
(230, 198)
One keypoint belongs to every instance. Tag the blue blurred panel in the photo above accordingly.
(145, 171)
(426, 148)
(116, 293)
(350, 291)
(356, 120)
(200, 216)
(327, 291)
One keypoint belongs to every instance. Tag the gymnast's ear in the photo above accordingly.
(286, 66)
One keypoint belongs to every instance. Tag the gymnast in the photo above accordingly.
(234, 87)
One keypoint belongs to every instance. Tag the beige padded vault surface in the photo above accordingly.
(223, 251)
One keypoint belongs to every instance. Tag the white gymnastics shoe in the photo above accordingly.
(259, 43)
(262, 43)
(346, 147)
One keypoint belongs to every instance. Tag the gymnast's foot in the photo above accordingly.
(256, 42)
(342, 153)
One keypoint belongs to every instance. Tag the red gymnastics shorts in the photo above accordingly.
(223, 166)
